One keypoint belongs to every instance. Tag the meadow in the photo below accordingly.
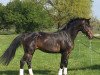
(82, 60)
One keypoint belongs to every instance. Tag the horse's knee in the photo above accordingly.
(29, 64)
(64, 64)
(28, 59)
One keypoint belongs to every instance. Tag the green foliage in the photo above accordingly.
(1, 16)
(96, 25)
(67, 9)
(81, 8)
(26, 16)
(32, 15)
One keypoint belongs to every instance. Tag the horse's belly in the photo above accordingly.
(50, 48)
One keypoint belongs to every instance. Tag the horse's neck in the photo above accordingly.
(72, 32)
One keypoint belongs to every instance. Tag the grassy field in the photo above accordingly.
(82, 61)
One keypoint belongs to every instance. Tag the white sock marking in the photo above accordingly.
(65, 71)
(21, 72)
(30, 71)
(60, 71)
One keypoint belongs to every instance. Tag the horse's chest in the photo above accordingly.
(65, 44)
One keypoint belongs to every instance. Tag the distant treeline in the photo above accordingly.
(33, 15)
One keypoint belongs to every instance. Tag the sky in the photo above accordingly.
(95, 8)
(4, 1)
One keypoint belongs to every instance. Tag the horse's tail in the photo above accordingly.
(10, 52)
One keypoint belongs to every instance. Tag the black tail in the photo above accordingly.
(10, 52)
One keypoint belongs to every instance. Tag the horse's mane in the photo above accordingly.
(69, 24)
(75, 19)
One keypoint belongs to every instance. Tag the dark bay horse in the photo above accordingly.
(61, 41)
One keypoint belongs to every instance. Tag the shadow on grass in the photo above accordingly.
(47, 72)
(9, 72)
(94, 67)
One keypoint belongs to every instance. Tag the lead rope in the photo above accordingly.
(79, 46)
(90, 48)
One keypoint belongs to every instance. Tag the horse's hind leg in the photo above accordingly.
(28, 61)
(26, 58)
(22, 62)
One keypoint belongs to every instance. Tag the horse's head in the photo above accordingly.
(80, 24)
(86, 28)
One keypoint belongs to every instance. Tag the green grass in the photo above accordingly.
(82, 60)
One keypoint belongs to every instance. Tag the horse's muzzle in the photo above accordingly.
(90, 34)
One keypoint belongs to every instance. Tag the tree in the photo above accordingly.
(63, 10)
(3, 22)
(27, 16)
(31, 15)
(1, 15)
(95, 24)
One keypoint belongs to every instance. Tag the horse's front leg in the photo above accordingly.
(63, 64)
